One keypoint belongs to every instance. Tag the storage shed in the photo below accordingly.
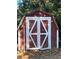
(38, 30)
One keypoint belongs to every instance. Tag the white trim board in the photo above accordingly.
(48, 33)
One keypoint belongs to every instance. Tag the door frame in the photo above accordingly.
(28, 33)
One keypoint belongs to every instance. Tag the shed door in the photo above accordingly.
(38, 33)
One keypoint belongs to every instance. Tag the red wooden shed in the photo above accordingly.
(38, 30)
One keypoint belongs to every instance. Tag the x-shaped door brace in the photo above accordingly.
(38, 20)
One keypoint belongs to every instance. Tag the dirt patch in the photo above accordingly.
(52, 54)
(45, 54)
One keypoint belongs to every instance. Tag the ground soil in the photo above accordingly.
(49, 54)
(46, 54)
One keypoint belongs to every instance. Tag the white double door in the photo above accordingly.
(38, 33)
